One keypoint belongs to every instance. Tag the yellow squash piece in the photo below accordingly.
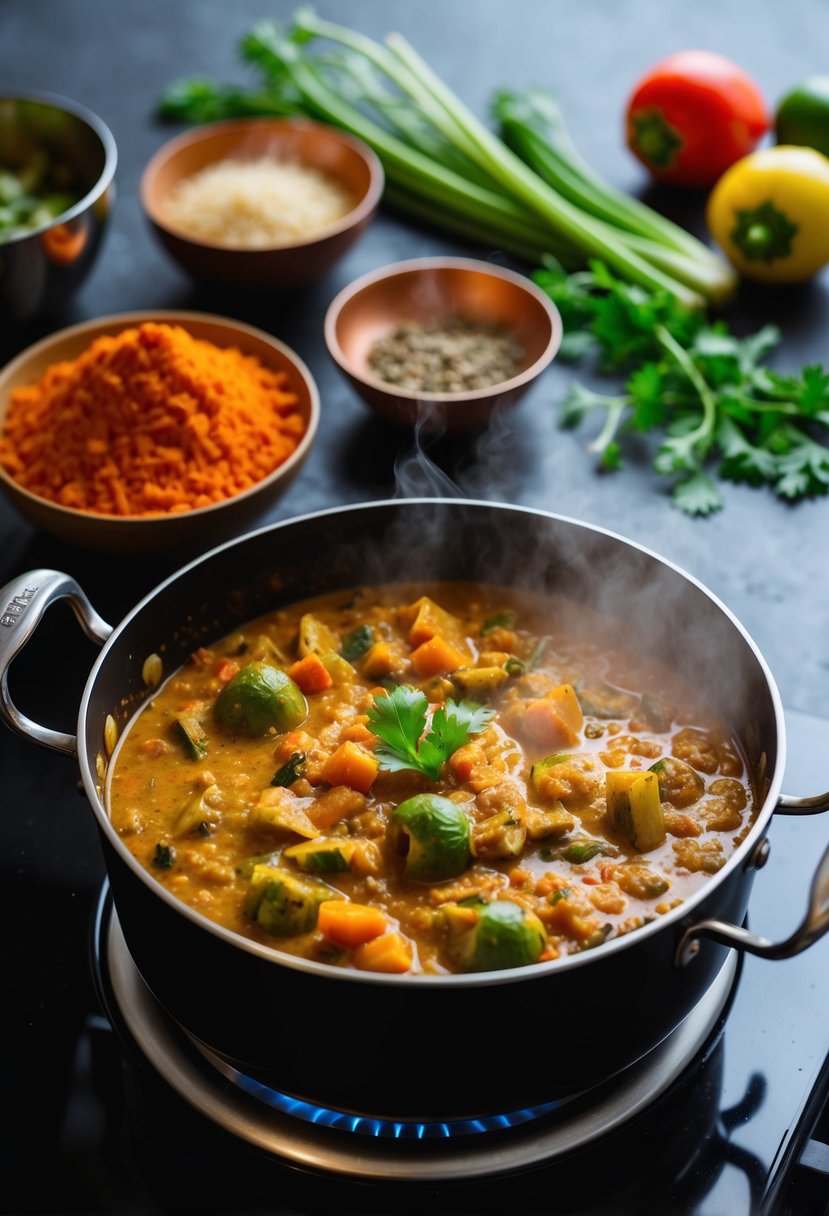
(634, 809)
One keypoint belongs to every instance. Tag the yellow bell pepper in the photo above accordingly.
(769, 213)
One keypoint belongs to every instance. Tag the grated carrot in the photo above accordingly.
(150, 421)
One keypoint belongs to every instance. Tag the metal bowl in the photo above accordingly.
(313, 144)
(202, 526)
(40, 270)
(428, 289)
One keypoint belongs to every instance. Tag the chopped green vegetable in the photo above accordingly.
(578, 853)
(163, 857)
(708, 394)
(501, 620)
(445, 165)
(398, 719)
(433, 834)
(291, 770)
(356, 643)
(190, 734)
(283, 903)
(634, 809)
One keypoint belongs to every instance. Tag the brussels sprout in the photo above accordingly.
(285, 904)
(502, 935)
(433, 834)
(260, 697)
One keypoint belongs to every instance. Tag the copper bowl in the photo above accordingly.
(304, 142)
(425, 289)
(201, 527)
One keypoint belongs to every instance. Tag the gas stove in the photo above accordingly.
(728, 1117)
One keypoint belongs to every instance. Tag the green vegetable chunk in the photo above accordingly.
(191, 736)
(291, 770)
(326, 855)
(433, 834)
(503, 935)
(356, 643)
(634, 808)
(283, 903)
(260, 698)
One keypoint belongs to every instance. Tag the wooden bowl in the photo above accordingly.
(301, 141)
(425, 289)
(205, 526)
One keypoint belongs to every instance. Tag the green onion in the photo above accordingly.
(525, 191)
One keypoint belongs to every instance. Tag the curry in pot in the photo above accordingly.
(455, 778)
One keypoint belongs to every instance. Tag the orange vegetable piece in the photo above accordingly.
(350, 765)
(310, 674)
(391, 953)
(552, 721)
(465, 759)
(335, 805)
(436, 657)
(425, 619)
(226, 669)
(350, 924)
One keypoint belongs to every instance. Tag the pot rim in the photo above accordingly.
(272, 954)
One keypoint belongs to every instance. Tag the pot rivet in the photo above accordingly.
(761, 853)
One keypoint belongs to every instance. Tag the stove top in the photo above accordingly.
(729, 1119)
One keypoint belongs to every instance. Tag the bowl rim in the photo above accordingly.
(98, 127)
(439, 262)
(116, 322)
(360, 211)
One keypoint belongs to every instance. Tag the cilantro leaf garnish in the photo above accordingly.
(398, 719)
(714, 407)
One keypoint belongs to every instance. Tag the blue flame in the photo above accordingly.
(393, 1129)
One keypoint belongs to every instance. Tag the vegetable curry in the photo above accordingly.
(437, 779)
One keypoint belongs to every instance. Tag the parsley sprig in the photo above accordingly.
(718, 410)
(399, 721)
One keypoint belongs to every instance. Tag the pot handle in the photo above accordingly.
(23, 602)
(814, 924)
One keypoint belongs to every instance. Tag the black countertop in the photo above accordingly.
(766, 560)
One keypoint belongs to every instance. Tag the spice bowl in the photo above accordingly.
(193, 212)
(459, 338)
(193, 527)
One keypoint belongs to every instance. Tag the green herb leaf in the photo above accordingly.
(291, 770)
(399, 721)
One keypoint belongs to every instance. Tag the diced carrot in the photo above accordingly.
(310, 674)
(380, 660)
(335, 805)
(436, 657)
(292, 741)
(464, 760)
(350, 924)
(226, 669)
(350, 765)
(548, 954)
(390, 953)
(358, 732)
(426, 619)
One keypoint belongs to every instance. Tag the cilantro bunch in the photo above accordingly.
(399, 721)
(719, 411)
